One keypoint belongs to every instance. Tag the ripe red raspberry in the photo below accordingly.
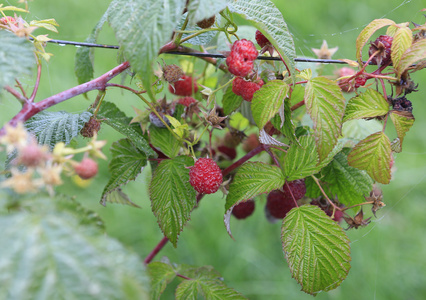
(345, 84)
(186, 101)
(228, 152)
(172, 73)
(261, 40)
(297, 187)
(206, 23)
(87, 168)
(279, 204)
(243, 209)
(360, 81)
(205, 176)
(338, 215)
(245, 88)
(184, 86)
(7, 19)
(382, 44)
(240, 60)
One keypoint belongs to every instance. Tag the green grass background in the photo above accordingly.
(388, 256)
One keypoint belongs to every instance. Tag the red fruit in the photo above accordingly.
(205, 176)
(382, 44)
(186, 101)
(229, 152)
(250, 143)
(87, 168)
(184, 86)
(32, 155)
(297, 188)
(245, 88)
(7, 19)
(243, 209)
(261, 40)
(279, 204)
(240, 60)
(360, 81)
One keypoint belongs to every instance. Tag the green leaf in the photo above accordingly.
(16, 58)
(288, 128)
(203, 9)
(114, 117)
(368, 104)
(326, 105)
(316, 248)
(161, 275)
(141, 28)
(54, 127)
(367, 32)
(267, 101)
(301, 160)
(231, 102)
(252, 179)
(415, 53)
(126, 164)
(201, 39)
(172, 196)
(163, 139)
(52, 255)
(84, 56)
(401, 42)
(339, 179)
(373, 154)
(402, 121)
(264, 15)
(49, 24)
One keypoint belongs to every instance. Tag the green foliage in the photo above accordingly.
(163, 139)
(368, 104)
(16, 58)
(265, 104)
(64, 258)
(264, 15)
(252, 179)
(230, 101)
(202, 9)
(51, 128)
(349, 184)
(414, 54)
(287, 127)
(401, 42)
(141, 28)
(172, 196)
(326, 105)
(126, 164)
(114, 117)
(402, 121)
(161, 275)
(84, 56)
(373, 154)
(316, 248)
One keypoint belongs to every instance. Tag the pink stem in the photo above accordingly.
(15, 93)
(32, 97)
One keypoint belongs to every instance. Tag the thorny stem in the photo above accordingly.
(126, 88)
(37, 83)
(297, 105)
(225, 172)
(183, 276)
(29, 109)
(324, 194)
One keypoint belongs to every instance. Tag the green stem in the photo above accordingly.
(179, 35)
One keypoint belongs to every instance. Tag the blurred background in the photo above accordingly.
(388, 256)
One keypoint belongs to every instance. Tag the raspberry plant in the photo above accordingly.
(173, 135)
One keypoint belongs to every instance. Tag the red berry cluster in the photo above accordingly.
(240, 60)
(205, 176)
(185, 86)
(7, 19)
(261, 39)
(279, 203)
(243, 209)
(186, 101)
(382, 44)
(245, 88)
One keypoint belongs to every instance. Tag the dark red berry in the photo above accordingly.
(250, 143)
(205, 176)
(360, 81)
(87, 168)
(246, 89)
(383, 45)
(261, 40)
(279, 204)
(206, 23)
(296, 187)
(228, 152)
(345, 84)
(185, 86)
(243, 209)
(240, 60)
